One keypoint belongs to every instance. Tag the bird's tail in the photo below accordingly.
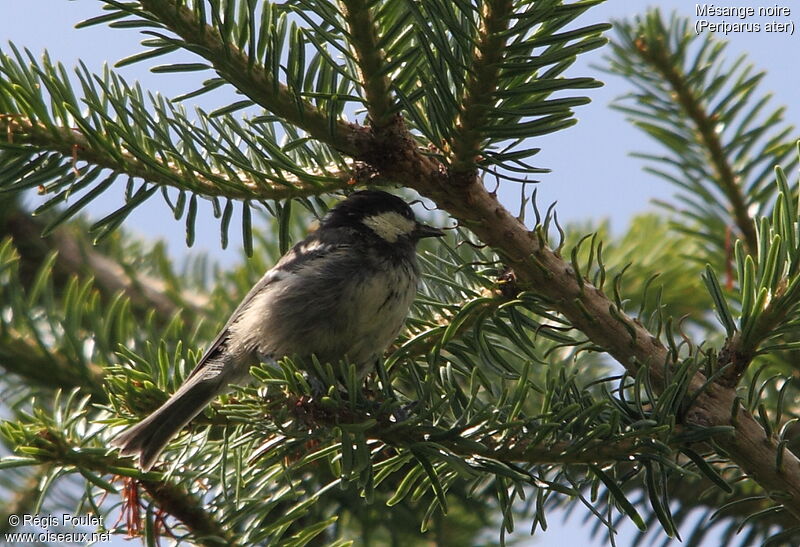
(149, 437)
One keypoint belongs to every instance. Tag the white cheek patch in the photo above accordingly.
(306, 248)
(390, 225)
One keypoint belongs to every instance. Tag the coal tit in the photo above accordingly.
(342, 293)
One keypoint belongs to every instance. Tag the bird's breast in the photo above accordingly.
(333, 313)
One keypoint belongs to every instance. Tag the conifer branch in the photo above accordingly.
(363, 39)
(72, 143)
(491, 301)
(541, 269)
(173, 499)
(53, 444)
(549, 453)
(22, 356)
(77, 257)
(738, 353)
(144, 291)
(23, 500)
(742, 504)
(626, 340)
(389, 151)
(655, 54)
(252, 79)
(466, 143)
(517, 449)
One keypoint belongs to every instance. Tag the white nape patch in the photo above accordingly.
(390, 225)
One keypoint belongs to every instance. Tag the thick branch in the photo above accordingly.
(539, 268)
(734, 359)
(483, 76)
(370, 60)
(143, 290)
(252, 79)
(728, 181)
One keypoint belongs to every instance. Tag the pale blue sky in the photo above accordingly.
(593, 175)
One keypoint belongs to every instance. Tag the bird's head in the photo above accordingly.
(381, 214)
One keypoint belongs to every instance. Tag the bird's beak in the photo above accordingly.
(423, 230)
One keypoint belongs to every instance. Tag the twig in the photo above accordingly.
(482, 83)
(370, 59)
(655, 54)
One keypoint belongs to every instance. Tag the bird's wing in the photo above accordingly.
(300, 256)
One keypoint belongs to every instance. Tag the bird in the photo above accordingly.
(342, 293)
